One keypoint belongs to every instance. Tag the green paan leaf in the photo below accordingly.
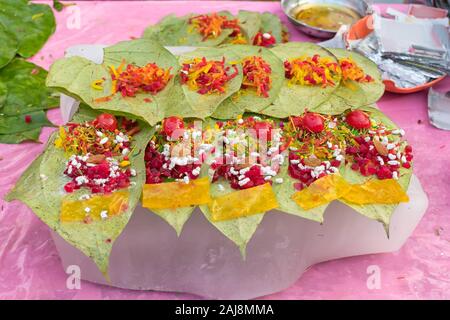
(271, 23)
(25, 86)
(16, 124)
(295, 99)
(75, 75)
(176, 218)
(9, 46)
(240, 230)
(379, 212)
(357, 94)
(286, 190)
(41, 188)
(203, 105)
(30, 135)
(3, 94)
(247, 99)
(32, 24)
(250, 23)
(176, 31)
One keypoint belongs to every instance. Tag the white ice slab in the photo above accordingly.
(149, 256)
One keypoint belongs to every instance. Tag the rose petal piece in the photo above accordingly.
(243, 203)
(98, 207)
(322, 191)
(172, 195)
(376, 191)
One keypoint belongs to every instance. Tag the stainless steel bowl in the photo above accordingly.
(360, 6)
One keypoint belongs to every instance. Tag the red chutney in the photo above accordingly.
(211, 26)
(257, 75)
(207, 76)
(311, 71)
(264, 40)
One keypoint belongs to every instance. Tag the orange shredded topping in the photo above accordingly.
(311, 71)
(206, 76)
(149, 78)
(211, 26)
(352, 72)
(257, 75)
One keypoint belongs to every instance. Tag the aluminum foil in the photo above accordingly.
(404, 69)
(439, 109)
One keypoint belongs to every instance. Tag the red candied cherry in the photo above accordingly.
(262, 127)
(358, 119)
(408, 149)
(171, 124)
(313, 122)
(106, 121)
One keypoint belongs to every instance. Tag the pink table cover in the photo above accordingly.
(29, 264)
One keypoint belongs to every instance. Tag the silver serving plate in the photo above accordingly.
(360, 6)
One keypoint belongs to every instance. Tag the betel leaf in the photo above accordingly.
(3, 94)
(75, 75)
(176, 31)
(271, 23)
(247, 99)
(41, 188)
(358, 94)
(333, 106)
(25, 86)
(9, 46)
(18, 137)
(32, 24)
(203, 105)
(176, 218)
(295, 99)
(284, 193)
(250, 23)
(379, 212)
(239, 230)
(21, 123)
(57, 5)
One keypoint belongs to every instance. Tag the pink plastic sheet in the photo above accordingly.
(29, 264)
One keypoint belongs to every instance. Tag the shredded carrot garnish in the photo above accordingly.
(311, 71)
(206, 76)
(211, 26)
(257, 75)
(149, 78)
(352, 72)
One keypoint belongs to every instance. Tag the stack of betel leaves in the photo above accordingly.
(214, 29)
(234, 130)
(24, 98)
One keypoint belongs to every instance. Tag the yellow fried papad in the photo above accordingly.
(173, 195)
(243, 203)
(91, 209)
(322, 191)
(376, 192)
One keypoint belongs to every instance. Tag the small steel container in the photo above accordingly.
(360, 6)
